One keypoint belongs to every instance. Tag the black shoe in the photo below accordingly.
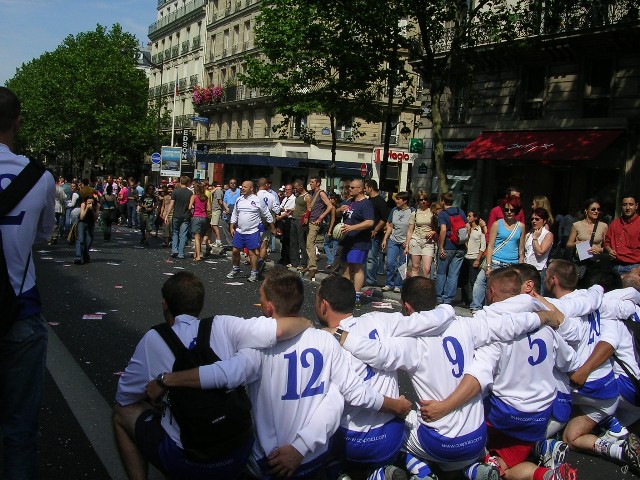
(78, 261)
(174, 255)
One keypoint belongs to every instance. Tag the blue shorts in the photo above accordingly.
(354, 255)
(377, 447)
(445, 449)
(561, 407)
(249, 240)
(163, 453)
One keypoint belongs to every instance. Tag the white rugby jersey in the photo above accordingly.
(520, 372)
(32, 220)
(248, 214)
(438, 362)
(153, 356)
(583, 332)
(624, 304)
(268, 200)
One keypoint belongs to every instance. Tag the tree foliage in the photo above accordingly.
(330, 58)
(87, 99)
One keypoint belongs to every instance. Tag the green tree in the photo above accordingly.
(445, 48)
(86, 99)
(330, 58)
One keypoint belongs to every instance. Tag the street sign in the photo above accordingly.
(155, 158)
(363, 170)
(422, 169)
(416, 145)
(155, 167)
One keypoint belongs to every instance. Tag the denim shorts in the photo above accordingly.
(199, 225)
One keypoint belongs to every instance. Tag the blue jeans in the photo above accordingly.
(479, 289)
(395, 258)
(622, 269)
(179, 240)
(447, 276)
(373, 262)
(84, 241)
(132, 216)
(67, 221)
(22, 365)
(330, 247)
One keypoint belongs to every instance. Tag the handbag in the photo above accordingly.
(402, 269)
(73, 233)
(304, 220)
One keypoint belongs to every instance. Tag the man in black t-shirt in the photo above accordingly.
(181, 216)
(381, 212)
(146, 205)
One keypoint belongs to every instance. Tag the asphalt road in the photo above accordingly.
(85, 356)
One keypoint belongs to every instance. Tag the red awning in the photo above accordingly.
(539, 145)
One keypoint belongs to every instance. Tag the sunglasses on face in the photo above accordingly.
(509, 210)
(594, 209)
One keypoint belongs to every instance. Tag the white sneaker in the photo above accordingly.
(234, 273)
(253, 277)
(481, 471)
(551, 452)
(396, 290)
(391, 472)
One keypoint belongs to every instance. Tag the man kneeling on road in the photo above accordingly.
(146, 434)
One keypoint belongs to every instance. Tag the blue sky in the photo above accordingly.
(28, 28)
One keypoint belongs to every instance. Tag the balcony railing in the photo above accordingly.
(196, 43)
(193, 80)
(175, 51)
(172, 87)
(165, 89)
(185, 46)
(182, 84)
(167, 54)
(158, 90)
(176, 15)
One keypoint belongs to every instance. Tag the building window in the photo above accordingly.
(297, 125)
(395, 122)
(597, 89)
(344, 130)
(534, 82)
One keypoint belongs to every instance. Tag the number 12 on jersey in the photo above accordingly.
(292, 374)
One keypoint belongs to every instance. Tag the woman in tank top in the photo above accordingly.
(421, 244)
(199, 224)
(582, 230)
(506, 237)
(538, 243)
(108, 206)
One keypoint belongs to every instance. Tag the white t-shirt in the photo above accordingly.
(248, 214)
(530, 256)
(32, 220)
(153, 356)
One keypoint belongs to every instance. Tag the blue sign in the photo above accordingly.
(326, 131)
(204, 120)
(155, 157)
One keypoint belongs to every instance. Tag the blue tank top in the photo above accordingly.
(508, 253)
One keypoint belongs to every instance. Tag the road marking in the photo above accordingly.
(88, 406)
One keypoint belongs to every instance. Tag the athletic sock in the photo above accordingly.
(607, 449)
(377, 474)
(236, 268)
(540, 473)
(417, 466)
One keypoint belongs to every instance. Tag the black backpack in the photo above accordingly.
(213, 423)
(9, 199)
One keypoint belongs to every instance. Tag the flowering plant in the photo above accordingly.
(206, 95)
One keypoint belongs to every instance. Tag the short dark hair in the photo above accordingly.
(420, 293)
(403, 196)
(529, 273)
(565, 271)
(541, 212)
(605, 277)
(184, 294)
(509, 280)
(629, 195)
(510, 189)
(372, 184)
(316, 178)
(9, 108)
(339, 293)
(590, 201)
(284, 289)
(447, 198)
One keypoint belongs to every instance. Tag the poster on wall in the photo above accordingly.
(170, 161)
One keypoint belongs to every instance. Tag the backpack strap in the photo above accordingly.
(203, 342)
(171, 339)
(20, 186)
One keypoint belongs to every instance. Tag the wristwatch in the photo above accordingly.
(160, 380)
(338, 334)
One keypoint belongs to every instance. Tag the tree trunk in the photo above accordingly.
(438, 146)
(334, 141)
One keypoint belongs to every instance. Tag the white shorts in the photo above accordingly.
(215, 217)
(596, 409)
(422, 246)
